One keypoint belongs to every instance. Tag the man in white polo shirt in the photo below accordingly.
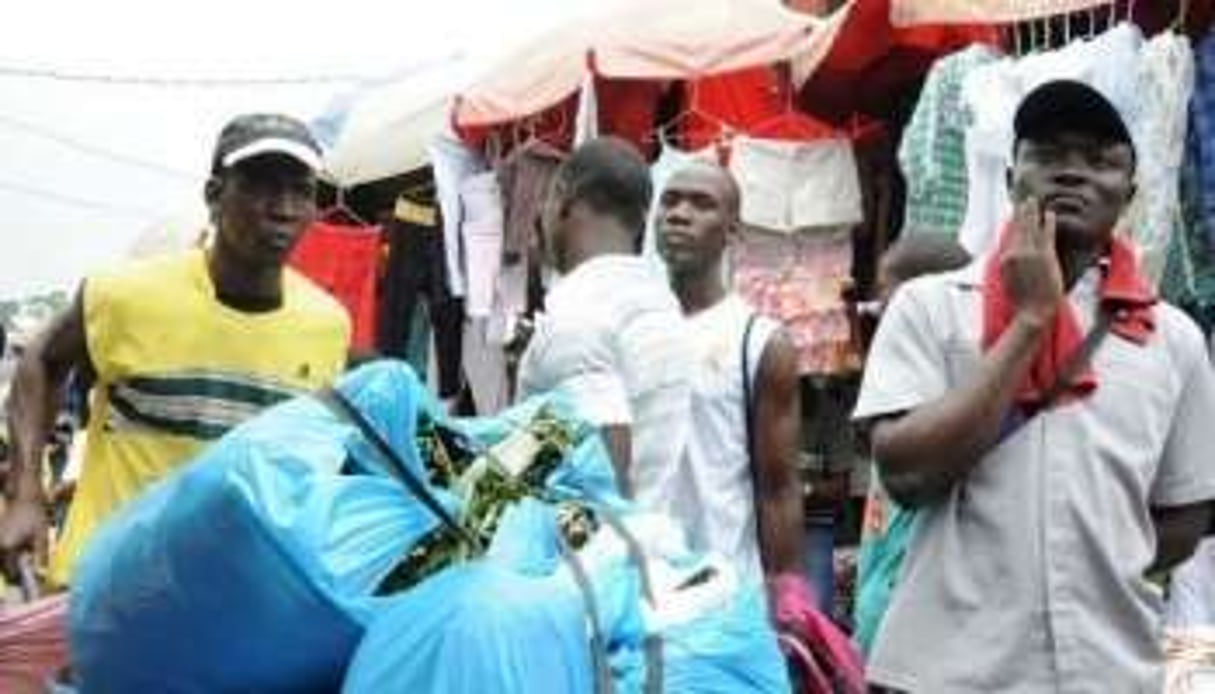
(612, 334)
(1048, 483)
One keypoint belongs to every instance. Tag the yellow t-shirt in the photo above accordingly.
(176, 369)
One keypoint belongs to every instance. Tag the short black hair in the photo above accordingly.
(608, 175)
(926, 253)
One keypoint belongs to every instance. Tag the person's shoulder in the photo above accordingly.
(1181, 335)
(141, 275)
(307, 298)
(142, 268)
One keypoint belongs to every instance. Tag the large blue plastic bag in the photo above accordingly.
(726, 651)
(513, 622)
(252, 569)
(516, 622)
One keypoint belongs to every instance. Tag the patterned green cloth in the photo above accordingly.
(1189, 274)
(932, 154)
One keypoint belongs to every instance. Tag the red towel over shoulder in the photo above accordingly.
(1124, 292)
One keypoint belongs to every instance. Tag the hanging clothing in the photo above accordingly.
(1202, 124)
(756, 101)
(798, 279)
(932, 153)
(525, 177)
(485, 368)
(344, 259)
(670, 160)
(414, 277)
(992, 92)
(719, 511)
(451, 162)
(788, 185)
(481, 231)
(1165, 83)
(628, 109)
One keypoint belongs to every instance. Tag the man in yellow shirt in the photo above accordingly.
(184, 347)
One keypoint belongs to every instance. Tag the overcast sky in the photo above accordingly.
(87, 168)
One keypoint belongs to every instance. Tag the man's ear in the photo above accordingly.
(211, 190)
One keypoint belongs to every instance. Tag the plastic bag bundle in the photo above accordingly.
(252, 569)
(520, 621)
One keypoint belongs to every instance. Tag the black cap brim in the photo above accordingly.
(1069, 106)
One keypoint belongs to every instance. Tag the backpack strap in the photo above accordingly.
(750, 397)
(1077, 362)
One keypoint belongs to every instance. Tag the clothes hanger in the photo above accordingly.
(340, 212)
(795, 124)
(1183, 10)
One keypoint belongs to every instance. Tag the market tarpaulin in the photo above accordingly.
(635, 39)
(383, 130)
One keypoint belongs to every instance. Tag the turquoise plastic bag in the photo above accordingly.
(512, 622)
(252, 569)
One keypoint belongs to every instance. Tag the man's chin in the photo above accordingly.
(1072, 232)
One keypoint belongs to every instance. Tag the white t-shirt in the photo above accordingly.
(613, 337)
(719, 504)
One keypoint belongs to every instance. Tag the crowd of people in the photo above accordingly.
(1039, 420)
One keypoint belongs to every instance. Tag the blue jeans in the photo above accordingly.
(818, 562)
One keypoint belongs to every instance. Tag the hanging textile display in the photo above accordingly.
(524, 177)
(932, 153)
(481, 232)
(344, 260)
(415, 285)
(1165, 83)
(788, 185)
(799, 280)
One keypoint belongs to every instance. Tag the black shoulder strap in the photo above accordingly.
(344, 410)
(1071, 368)
(750, 396)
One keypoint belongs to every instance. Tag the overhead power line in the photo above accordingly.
(56, 75)
(73, 201)
(93, 150)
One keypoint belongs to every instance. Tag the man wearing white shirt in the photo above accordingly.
(612, 333)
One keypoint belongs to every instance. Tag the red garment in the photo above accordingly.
(1123, 290)
(756, 102)
(344, 259)
(823, 658)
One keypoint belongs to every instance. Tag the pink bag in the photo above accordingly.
(823, 659)
(33, 644)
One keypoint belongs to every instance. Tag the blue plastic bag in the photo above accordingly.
(726, 651)
(517, 622)
(512, 622)
(252, 569)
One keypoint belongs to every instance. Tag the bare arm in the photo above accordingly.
(1179, 529)
(33, 401)
(619, 440)
(777, 425)
(924, 452)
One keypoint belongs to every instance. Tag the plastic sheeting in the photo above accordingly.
(252, 568)
(636, 39)
(476, 628)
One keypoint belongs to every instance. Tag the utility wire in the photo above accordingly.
(72, 201)
(93, 150)
(55, 75)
